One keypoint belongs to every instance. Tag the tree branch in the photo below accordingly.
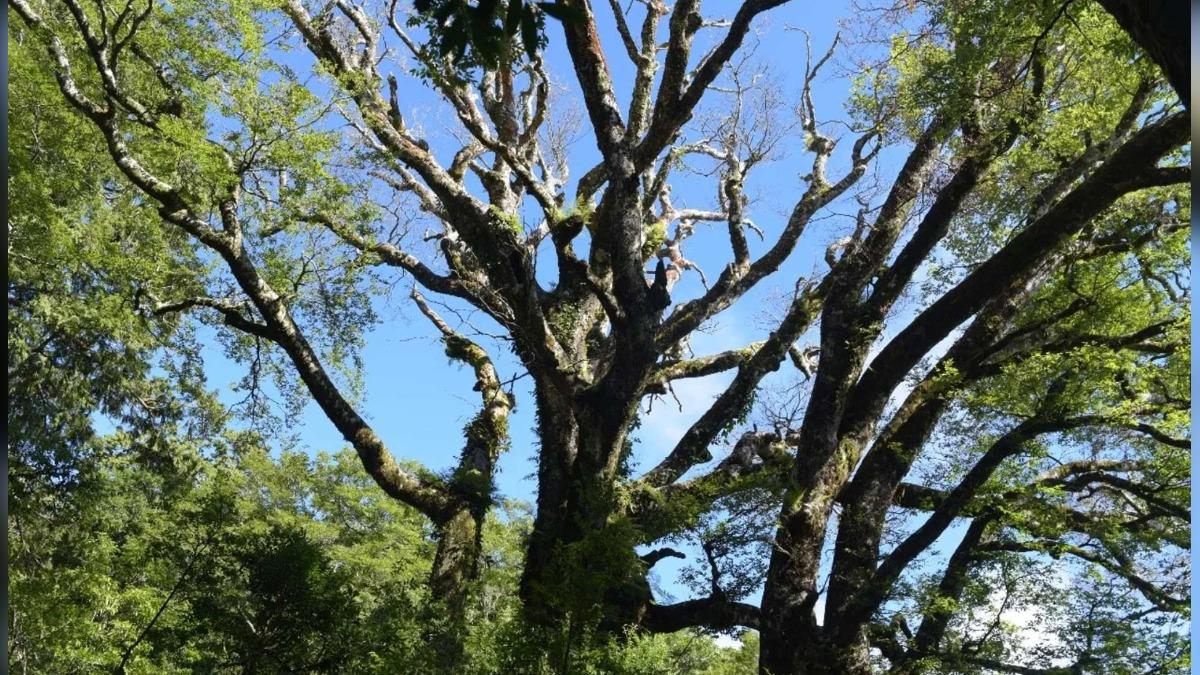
(712, 612)
(674, 104)
(422, 492)
(1016, 263)
(736, 399)
(860, 606)
(231, 311)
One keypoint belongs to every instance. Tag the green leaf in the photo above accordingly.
(454, 40)
(512, 20)
(562, 11)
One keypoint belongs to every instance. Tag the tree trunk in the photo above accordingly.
(558, 433)
(823, 658)
(580, 563)
(813, 653)
(791, 639)
(789, 629)
(1161, 27)
(455, 568)
(460, 530)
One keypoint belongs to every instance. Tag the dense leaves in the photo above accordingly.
(246, 563)
(485, 33)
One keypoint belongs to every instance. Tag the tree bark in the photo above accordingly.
(1161, 27)
(581, 530)
(455, 567)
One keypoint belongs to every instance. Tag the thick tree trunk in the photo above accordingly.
(455, 568)
(816, 654)
(456, 563)
(834, 659)
(790, 634)
(791, 639)
(558, 433)
(580, 563)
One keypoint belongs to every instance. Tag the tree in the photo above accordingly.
(1036, 226)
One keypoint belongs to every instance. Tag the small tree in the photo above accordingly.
(1037, 225)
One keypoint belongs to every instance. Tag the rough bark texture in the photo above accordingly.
(1163, 29)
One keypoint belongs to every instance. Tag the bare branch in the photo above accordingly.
(693, 447)
(230, 310)
(675, 102)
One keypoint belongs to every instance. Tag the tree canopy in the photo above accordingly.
(961, 444)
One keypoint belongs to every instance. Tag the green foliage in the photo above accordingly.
(656, 234)
(486, 33)
(83, 249)
(226, 110)
(273, 565)
(507, 221)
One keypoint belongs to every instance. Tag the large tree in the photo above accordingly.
(995, 365)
